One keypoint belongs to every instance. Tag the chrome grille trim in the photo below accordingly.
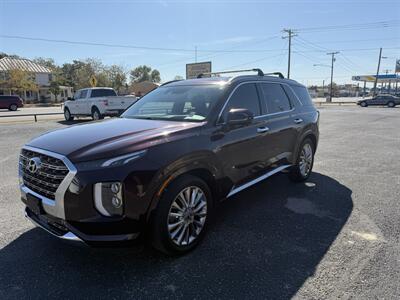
(53, 207)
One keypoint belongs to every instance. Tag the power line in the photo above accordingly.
(359, 26)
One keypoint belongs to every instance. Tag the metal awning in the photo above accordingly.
(381, 78)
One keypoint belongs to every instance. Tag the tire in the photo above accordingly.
(304, 164)
(96, 115)
(67, 115)
(13, 107)
(391, 104)
(363, 104)
(177, 231)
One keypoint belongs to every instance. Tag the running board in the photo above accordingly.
(254, 181)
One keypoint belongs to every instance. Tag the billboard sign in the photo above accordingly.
(397, 66)
(193, 70)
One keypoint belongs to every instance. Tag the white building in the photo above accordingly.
(42, 77)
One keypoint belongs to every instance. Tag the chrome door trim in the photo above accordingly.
(52, 207)
(240, 188)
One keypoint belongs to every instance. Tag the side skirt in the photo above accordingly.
(240, 188)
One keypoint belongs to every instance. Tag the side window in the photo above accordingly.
(83, 94)
(302, 94)
(245, 96)
(275, 98)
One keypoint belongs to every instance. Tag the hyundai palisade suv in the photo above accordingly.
(162, 166)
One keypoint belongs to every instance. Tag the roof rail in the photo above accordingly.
(259, 72)
(171, 81)
(280, 75)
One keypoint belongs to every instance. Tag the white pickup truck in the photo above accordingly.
(96, 102)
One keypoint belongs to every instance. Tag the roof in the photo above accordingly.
(226, 80)
(8, 64)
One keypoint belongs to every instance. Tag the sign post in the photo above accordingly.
(195, 69)
(93, 81)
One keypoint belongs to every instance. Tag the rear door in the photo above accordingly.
(279, 142)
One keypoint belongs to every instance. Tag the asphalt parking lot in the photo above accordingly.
(335, 236)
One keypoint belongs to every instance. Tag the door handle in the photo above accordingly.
(262, 129)
(298, 120)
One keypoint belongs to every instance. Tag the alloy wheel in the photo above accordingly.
(187, 216)
(306, 159)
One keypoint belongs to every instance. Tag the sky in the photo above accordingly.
(233, 34)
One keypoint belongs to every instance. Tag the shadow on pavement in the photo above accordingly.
(264, 243)
(74, 122)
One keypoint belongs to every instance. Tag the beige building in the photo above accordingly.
(42, 76)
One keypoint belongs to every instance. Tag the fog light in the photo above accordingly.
(108, 198)
(115, 187)
(116, 202)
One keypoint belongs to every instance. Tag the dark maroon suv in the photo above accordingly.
(11, 102)
(160, 168)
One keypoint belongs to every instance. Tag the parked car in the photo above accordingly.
(161, 168)
(11, 102)
(383, 99)
(96, 102)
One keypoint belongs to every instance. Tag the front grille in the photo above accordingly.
(47, 178)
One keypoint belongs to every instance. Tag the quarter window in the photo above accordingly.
(245, 96)
(275, 98)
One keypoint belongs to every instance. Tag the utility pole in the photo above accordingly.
(377, 71)
(289, 36)
(331, 88)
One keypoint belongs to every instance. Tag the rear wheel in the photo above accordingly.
(67, 115)
(181, 218)
(304, 163)
(363, 104)
(96, 115)
(13, 107)
(391, 104)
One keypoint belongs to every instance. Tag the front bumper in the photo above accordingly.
(65, 231)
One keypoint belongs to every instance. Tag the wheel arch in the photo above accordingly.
(203, 169)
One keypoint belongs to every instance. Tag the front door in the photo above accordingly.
(240, 149)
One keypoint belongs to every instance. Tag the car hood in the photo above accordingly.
(112, 137)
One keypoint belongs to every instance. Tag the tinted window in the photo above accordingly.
(83, 94)
(245, 96)
(275, 98)
(302, 94)
(102, 93)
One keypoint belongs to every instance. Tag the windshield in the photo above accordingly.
(176, 103)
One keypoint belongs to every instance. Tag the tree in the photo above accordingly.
(145, 73)
(178, 77)
(116, 76)
(55, 88)
(19, 81)
(46, 62)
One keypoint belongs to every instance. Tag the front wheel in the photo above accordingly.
(391, 104)
(181, 218)
(304, 163)
(67, 115)
(363, 104)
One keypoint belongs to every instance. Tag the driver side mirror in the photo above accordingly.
(239, 117)
(71, 98)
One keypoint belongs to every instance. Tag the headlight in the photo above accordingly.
(110, 162)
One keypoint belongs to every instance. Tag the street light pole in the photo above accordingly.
(331, 87)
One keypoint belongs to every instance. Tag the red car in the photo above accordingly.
(11, 102)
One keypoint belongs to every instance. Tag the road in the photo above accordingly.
(335, 236)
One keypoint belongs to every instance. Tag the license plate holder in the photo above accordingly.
(34, 204)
